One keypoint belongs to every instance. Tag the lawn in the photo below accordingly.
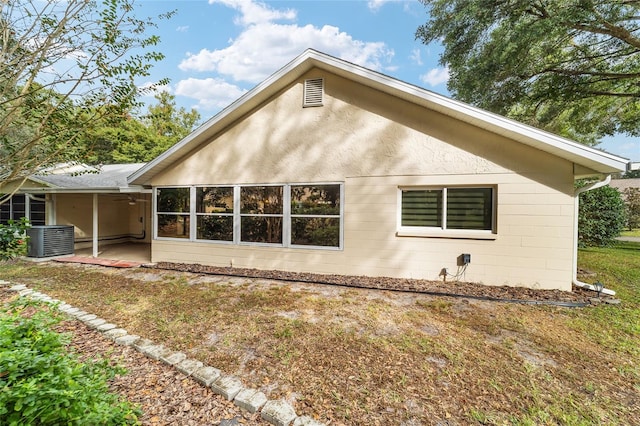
(352, 356)
(632, 233)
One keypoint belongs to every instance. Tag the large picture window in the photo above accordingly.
(214, 213)
(261, 210)
(469, 209)
(172, 207)
(23, 205)
(308, 215)
(315, 215)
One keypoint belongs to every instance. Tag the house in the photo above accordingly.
(623, 184)
(328, 167)
(97, 200)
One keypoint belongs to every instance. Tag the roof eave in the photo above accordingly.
(94, 190)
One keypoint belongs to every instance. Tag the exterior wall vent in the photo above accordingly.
(313, 92)
(50, 240)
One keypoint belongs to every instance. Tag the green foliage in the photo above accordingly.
(632, 204)
(601, 216)
(129, 139)
(83, 68)
(41, 383)
(14, 238)
(632, 174)
(570, 67)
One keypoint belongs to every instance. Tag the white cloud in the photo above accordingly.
(416, 56)
(375, 5)
(211, 93)
(435, 76)
(263, 48)
(255, 12)
(182, 28)
(151, 88)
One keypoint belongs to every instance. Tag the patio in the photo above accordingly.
(132, 252)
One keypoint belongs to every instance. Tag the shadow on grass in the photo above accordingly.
(616, 245)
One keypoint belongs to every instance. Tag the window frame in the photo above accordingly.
(238, 215)
(29, 207)
(339, 216)
(282, 215)
(189, 214)
(443, 231)
(199, 214)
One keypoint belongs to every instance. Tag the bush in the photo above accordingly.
(41, 383)
(632, 203)
(601, 216)
(13, 239)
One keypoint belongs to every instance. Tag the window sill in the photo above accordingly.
(464, 235)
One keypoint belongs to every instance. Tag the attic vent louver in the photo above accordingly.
(313, 92)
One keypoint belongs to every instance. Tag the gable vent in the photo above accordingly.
(313, 92)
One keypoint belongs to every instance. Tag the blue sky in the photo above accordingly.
(218, 49)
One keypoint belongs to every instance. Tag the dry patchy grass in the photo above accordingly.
(353, 356)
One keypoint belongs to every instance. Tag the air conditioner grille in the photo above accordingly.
(50, 240)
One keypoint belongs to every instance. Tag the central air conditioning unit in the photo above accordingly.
(50, 240)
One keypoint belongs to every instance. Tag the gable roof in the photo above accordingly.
(581, 155)
(84, 178)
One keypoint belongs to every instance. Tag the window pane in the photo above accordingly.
(422, 208)
(315, 231)
(315, 199)
(469, 208)
(5, 212)
(173, 200)
(173, 226)
(261, 199)
(260, 229)
(18, 206)
(218, 228)
(214, 200)
(36, 211)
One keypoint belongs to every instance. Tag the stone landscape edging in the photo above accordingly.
(277, 412)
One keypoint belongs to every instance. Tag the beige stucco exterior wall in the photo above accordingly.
(375, 143)
(12, 186)
(116, 218)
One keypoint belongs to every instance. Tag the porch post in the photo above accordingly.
(95, 225)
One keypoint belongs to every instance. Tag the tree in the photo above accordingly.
(125, 138)
(601, 216)
(570, 67)
(168, 121)
(632, 174)
(65, 65)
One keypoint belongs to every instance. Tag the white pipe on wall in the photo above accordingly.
(574, 280)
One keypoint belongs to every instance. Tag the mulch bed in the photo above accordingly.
(166, 396)
(438, 288)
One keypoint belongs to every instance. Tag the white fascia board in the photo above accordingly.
(80, 190)
(135, 189)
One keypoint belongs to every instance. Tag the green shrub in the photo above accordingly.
(601, 216)
(632, 203)
(13, 238)
(42, 383)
